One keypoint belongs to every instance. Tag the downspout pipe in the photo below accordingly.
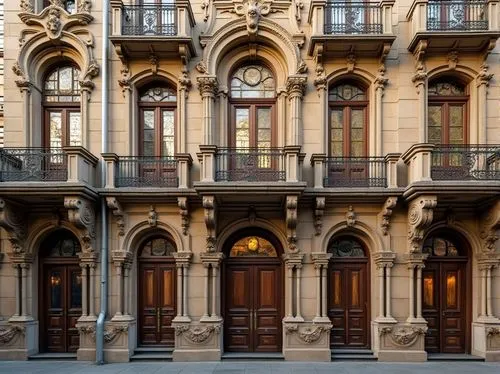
(104, 213)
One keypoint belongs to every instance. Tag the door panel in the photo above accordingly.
(253, 313)
(348, 305)
(167, 304)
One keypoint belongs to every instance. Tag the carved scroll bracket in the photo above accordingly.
(386, 214)
(81, 213)
(420, 214)
(420, 76)
(291, 223)
(319, 210)
(118, 213)
(320, 80)
(13, 220)
(490, 224)
(210, 207)
(197, 334)
(183, 204)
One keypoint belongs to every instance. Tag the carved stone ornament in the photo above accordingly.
(110, 333)
(350, 217)
(205, 5)
(84, 6)
(492, 331)
(8, 333)
(13, 221)
(308, 335)
(209, 205)
(386, 213)
(403, 335)
(319, 209)
(453, 59)
(81, 213)
(208, 86)
(183, 204)
(299, 5)
(291, 223)
(420, 214)
(27, 6)
(117, 210)
(197, 334)
(253, 10)
(489, 227)
(350, 62)
(484, 76)
(296, 86)
(152, 216)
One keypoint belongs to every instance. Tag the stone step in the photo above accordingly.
(152, 356)
(263, 356)
(155, 349)
(53, 356)
(453, 357)
(353, 355)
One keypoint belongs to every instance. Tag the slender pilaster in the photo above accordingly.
(208, 86)
(119, 294)
(489, 306)
(298, 273)
(127, 299)
(483, 292)
(296, 86)
(388, 292)
(411, 292)
(319, 296)
(320, 261)
(419, 291)
(17, 275)
(324, 271)
(92, 291)
(85, 306)
(289, 311)
(184, 290)
(24, 287)
(206, 313)
(217, 296)
(211, 260)
(179, 290)
(381, 290)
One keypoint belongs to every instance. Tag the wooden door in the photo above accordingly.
(62, 306)
(253, 307)
(444, 306)
(348, 304)
(157, 307)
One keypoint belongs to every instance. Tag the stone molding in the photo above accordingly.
(118, 213)
(81, 213)
(183, 204)
(420, 215)
(7, 334)
(296, 85)
(492, 332)
(386, 214)
(12, 219)
(403, 336)
(291, 223)
(207, 85)
(197, 334)
(307, 334)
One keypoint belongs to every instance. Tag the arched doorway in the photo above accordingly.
(156, 291)
(252, 292)
(348, 293)
(61, 292)
(444, 296)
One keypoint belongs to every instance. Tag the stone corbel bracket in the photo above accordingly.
(81, 214)
(118, 213)
(8, 333)
(490, 224)
(320, 80)
(403, 336)
(319, 210)
(183, 204)
(197, 334)
(308, 334)
(210, 207)
(291, 223)
(386, 214)
(420, 214)
(12, 219)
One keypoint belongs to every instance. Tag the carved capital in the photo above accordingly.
(420, 214)
(84, 6)
(320, 258)
(209, 205)
(490, 223)
(296, 86)
(319, 209)
(81, 214)
(208, 86)
(118, 213)
(183, 204)
(386, 213)
(291, 223)
(13, 220)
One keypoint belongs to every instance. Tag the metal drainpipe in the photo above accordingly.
(104, 213)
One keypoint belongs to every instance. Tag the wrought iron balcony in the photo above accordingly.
(465, 162)
(165, 29)
(33, 165)
(338, 28)
(250, 165)
(355, 172)
(145, 171)
(441, 23)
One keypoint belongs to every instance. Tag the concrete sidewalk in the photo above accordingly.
(252, 367)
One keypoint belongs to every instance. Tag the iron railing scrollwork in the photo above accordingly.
(353, 18)
(250, 164)
(33, 164)
(466, 162)
(465, 15)
(355, 172)
(156, 20)
(146, 171)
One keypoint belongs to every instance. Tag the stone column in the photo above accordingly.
(184, 86)
(388, 293)
(223, 114)
(384, 262)
(419, 291)
(179, 290)
(206, 313)
(184, 291)
(212, 260)
(489, 305)
(85, 306)
(127, 299)
(296, 88)
(208, 86)
(324, 275)
(420, 81)
(484, 291)
(26, 95)
(293, 261)
(320, 261)
(281, 117)
(17, 274)
(319, 296)
(24, 287)
(119, 294)
(288, 291)
(182, 262)
(380, 83)
(415, 263)
(411, 293)
(298, 273)
(381, 272)
(92, 291)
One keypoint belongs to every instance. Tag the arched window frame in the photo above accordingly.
(445, 102)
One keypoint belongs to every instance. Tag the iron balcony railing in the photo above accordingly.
(466, 162)
(355, 172)
(250, 164)
(143, 20)
(353, 18)
(466, 15)
(146, 171)
(33, 165)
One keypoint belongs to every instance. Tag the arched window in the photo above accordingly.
(441, 247)
(348, 106)
(157, 111)
(157, 247)
(68, 5)
(447, 112)
(346, 247)
(61, 243)
(61, 102)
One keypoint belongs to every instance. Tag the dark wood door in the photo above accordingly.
(444, 306)
(253, 307)
(348, 304)
(62, 306)
(157, 307)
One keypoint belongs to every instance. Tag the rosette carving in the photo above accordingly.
(81, 213)
(420, 214)
(27, 6)
(197, 334)
(7, 334)
(110, 334)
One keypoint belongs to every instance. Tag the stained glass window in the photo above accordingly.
(159, 95)
(437, 246)
(346, 92)
(157, 247)
(253, 81)
(346, 247)
(253, 246)
(62, 85)
(446, 89)
(61, 243)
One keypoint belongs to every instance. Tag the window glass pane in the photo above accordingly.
(159, 95)
(446, 89)
(451, 290)
(346, 92)
(76, 289)
(65, 79)
(148, 132)
(456, 124)
(346, 248)
(62, 85)
(434, 124)
(55, 282)
(242, 128)
(428, 290)
(168, 133)
(253, 81)
(253, 246)
(75, 129)
(55, 129)
(157, 247)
